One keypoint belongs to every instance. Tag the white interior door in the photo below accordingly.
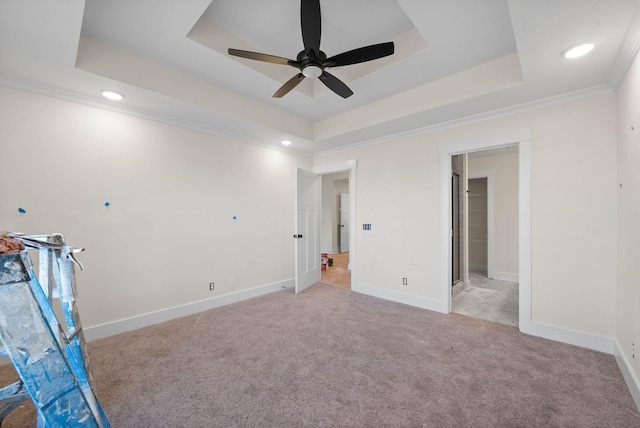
(307, 229)
(344, 222)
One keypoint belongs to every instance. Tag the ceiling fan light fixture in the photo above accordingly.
(579, 50)
(312, 61)
(312, 71)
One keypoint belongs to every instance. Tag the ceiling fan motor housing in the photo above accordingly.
(310, 63)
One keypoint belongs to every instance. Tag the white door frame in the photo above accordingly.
(351, 166)
(522, 138)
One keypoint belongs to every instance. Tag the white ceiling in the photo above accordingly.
(455, 61)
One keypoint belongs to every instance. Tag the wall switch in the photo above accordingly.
(232, 282)
(404, 281)
(211, 286)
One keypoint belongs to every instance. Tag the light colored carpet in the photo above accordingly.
(329, 357)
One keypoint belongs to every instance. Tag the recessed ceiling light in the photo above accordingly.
(578, 51)
(112, 95)
(286, 142)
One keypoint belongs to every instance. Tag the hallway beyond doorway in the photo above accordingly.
(338, 274)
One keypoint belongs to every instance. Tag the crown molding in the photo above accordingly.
(12, 81)
(594, 91)
(628, 51)
(55, 92)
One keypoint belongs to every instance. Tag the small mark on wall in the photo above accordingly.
(22, 210)
(107, 204)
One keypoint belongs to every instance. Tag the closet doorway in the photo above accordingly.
(489, 236)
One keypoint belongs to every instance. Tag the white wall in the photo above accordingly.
(505, 211)
(629, 223)
(169, 231)
(573, 185)
(332, 186)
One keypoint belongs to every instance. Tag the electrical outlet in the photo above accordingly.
(633, 350)
(211, 286)
(404, 281)
(232, 282)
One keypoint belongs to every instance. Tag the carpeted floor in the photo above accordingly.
(329, 357)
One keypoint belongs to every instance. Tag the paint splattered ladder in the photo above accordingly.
(52, 363)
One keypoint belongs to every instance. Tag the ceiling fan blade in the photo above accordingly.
(291, 83)
(335, 84)
(261, 57)
(367, 53)
(311, 24)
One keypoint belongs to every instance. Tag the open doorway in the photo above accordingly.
(489, 231)
(335, 229)
(308, 205)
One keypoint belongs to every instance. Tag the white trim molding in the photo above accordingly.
(144, 320)
(398, 297)
(633, 383)
(506, 276)
(571, 337)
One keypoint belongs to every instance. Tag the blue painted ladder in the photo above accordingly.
(52, 364)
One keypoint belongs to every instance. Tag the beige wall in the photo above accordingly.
(173, 192)
(573, 186)
(505, 210)
(629, 220)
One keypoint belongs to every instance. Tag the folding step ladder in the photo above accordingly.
(52, 364)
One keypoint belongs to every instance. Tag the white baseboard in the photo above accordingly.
(399, 297)
(128, 324)
(571, 337)
(633, 383)
(506, 276)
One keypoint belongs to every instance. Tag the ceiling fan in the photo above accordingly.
(312, 61)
